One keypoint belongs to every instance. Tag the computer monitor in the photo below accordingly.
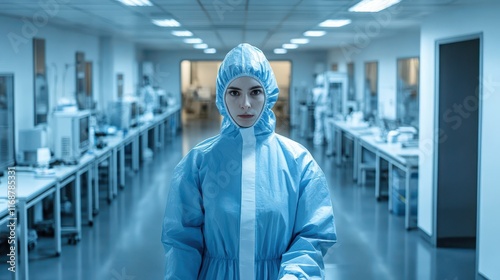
(71, 135)
(84, 138)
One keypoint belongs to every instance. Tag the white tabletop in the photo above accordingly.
(64, 171)
(99, 152)
(114, 141)
(130, 134)
(405, 156)
(27, 186)
(355, 130)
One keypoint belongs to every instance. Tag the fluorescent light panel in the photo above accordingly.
(166, 22)
(280, 51)
(200, 46)
(289, 46)
(314, 33)
(193, 41)
(182, 33)
(299, 41)
(210, 50)
(372, 6)
(335, 22)
(136, 2)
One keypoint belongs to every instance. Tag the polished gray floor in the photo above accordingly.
(124, 242)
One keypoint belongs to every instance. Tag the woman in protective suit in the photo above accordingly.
(247, 203)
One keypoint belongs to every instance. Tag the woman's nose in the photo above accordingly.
(245, 102)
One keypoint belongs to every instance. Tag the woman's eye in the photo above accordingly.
(256, 92)
(234, 93)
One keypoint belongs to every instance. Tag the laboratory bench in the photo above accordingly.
(399, 160)
(32, 187)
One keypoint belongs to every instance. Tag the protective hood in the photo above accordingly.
(247, 60)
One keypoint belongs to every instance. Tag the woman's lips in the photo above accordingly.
(246, 116)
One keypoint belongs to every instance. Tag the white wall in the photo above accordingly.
(386, 52)
(107, 78)
(118, 57)
(16, 56)
(126, 62)
(167, 64)
(479, 18)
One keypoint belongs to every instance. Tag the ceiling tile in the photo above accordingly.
(225, 23)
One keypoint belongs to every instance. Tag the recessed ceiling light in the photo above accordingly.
(335, 22)
(314, 33)
(182, 33)
(200, 46)
(290, 46)
(372, 6)
(166, 22)
(299, 41)
(210, 50)
(279, 51)
(136, 2)
(193, 41)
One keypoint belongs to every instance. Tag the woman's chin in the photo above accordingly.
(245, 123)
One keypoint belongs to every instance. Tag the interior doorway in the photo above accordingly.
(198, 78)
(458, 109)
(198, 90)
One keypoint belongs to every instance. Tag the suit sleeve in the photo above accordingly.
(314, 230)
(182, 236)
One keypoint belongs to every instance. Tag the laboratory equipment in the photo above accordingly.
(123, 114)
(71, 135)
(30, 140)
(336, 85)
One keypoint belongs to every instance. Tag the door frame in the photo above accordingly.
(438, 43)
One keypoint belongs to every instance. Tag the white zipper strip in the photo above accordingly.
(247, 218)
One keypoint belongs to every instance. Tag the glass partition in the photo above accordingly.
(83, 81)
(407, 111)
(41, 104)
(371, 90)
(351, 92)
(352, 102)
(6, 121)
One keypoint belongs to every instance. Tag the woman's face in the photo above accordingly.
(245, 100)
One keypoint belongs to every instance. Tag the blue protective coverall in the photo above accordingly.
(247, 203)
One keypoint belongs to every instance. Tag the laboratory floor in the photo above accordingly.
(124, 242)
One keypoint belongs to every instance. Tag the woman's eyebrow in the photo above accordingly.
(255, 87)
(235, 88)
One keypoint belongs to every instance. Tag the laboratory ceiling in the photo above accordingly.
(224, 23)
